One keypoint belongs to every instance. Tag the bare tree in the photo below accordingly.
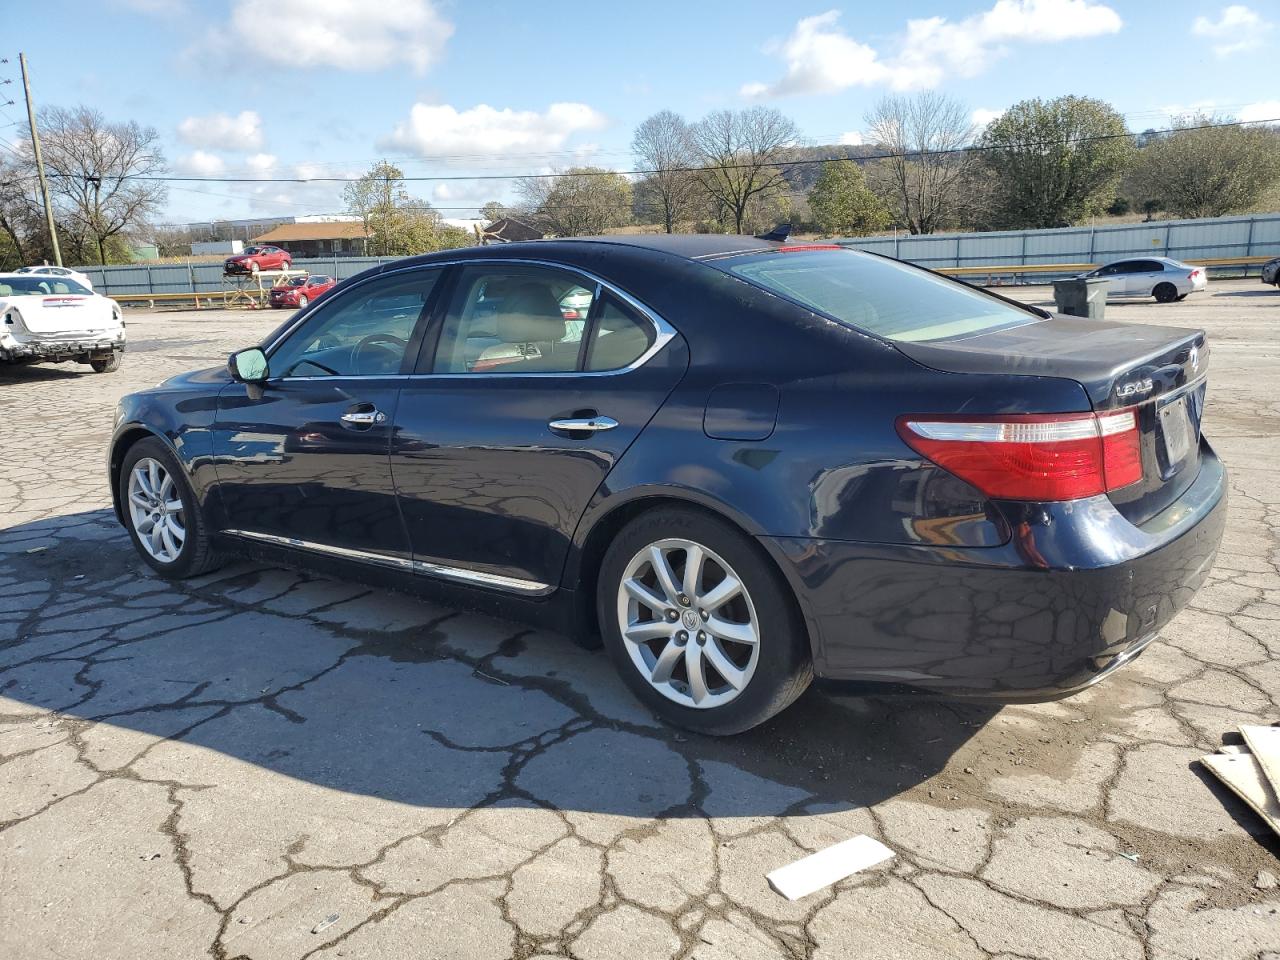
(580, 201)
(739, 151)
(99, 173)
(925, 137)
(664, 145)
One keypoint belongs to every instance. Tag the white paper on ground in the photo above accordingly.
(1243, 774)
(825, 867)
(1264, 742)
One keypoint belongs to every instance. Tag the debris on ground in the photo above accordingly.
(1266, 880)
(326, 923)
(825, 867)
(1251, 770)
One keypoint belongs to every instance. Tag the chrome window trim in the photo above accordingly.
(664, 332)
(530, 588)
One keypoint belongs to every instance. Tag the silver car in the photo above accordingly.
(1161, 277)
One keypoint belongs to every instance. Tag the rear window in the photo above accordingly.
(880, 296)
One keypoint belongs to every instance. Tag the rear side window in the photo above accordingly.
(619, 337)
(879, 296)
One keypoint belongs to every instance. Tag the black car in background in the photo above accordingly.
(1271, 272)
(749, 463)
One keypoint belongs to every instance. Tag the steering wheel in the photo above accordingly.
(375, 338)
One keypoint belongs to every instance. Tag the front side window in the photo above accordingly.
(880, 296)
(514, 319)
(363, 333)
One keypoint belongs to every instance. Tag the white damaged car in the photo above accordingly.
(54, 319)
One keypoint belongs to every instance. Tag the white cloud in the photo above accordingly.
(261, 162)
(346, 34)
(219, 131)
(853, 138)
(439, 130)
(822, 58)
(1262, 110)
(1237, 29)
(982, 116)
(201, 164)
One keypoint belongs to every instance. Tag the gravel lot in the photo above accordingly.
(266, 763)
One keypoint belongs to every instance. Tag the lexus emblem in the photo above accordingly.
(1193, 358)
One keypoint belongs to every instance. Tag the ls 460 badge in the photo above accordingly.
(1134, 387)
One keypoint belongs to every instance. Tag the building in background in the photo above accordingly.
(330, 238)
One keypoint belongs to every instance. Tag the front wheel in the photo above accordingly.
(302, 300)
(108, 364)
(701, 626)
(161, 512)
(1165, 293)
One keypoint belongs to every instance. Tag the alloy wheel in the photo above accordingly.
(688, 623)
(155, 508)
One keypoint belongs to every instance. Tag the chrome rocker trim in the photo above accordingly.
(528, 588)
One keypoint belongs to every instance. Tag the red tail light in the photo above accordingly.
(1064, 456)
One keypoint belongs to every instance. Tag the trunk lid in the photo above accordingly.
(1158, 371)
(64, 313)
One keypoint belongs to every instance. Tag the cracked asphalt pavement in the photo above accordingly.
(273, 764)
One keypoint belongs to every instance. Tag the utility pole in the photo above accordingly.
(35, 146)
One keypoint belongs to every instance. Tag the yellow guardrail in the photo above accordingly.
(152, 298)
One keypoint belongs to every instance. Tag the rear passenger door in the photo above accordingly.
(516, 415)
(1146, 274)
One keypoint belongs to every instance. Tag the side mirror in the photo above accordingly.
(248, 366)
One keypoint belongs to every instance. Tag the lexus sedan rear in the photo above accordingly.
(744, 465)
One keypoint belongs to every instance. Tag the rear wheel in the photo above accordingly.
(1165, 293)
(702, 628)
(161, 513)
(108, 364)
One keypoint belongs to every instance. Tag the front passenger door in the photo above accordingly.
(307, 461)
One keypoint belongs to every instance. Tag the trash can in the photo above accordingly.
(1081, 297)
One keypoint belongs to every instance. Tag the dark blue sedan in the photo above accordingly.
(741, 463)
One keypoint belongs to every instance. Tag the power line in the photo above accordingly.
(905, 155)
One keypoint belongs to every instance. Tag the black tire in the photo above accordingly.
(1165, 293)
(783, 670)
(197, 555)
(110, 364)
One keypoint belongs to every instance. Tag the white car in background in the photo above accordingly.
(55, 319)
(48, 270)
(1161, 277)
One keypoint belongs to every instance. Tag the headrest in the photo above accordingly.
(530, 314)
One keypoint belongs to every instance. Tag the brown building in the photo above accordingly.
(342, 238)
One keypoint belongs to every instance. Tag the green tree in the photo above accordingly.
(843, 205)
(1056, 161)
(577, 202)
(398, 223)
(493, 210)
(1204, 169)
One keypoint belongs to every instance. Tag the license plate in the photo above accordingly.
(1175, 428)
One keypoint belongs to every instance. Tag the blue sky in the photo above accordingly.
(289, 88)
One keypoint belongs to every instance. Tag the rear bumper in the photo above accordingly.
(1075, 594)
(32, 348)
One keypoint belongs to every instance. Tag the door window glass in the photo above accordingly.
(364, 333)
(620, 337)
(514, 319)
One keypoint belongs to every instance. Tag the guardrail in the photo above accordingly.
(991, 271)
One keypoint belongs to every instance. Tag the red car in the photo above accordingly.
(299, 291)
(259, 258)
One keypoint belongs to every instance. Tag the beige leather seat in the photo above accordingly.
(531, 327)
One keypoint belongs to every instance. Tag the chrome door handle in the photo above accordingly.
(584, 424)
(364, 418)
